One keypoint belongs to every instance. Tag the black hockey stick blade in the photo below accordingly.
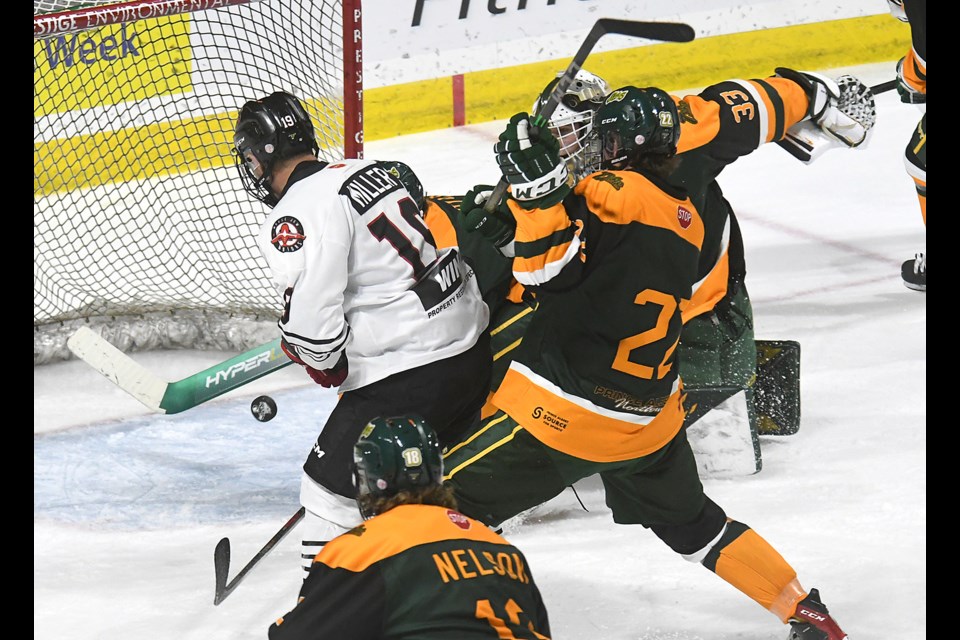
(221, 568)
(221, 559)
(664, 31)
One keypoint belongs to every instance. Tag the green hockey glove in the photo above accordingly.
(498, 227)
(529, 159)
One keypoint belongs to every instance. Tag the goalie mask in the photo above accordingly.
(269, 130)
(393, 455)
(633, 123)
(572, 120)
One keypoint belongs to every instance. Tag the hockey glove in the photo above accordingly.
(498, 227)
(907, 93)
(844, 109)
(896, 10)
(529, 159)
(332, 377)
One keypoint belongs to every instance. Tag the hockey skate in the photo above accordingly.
(914, 273)
(812, 621)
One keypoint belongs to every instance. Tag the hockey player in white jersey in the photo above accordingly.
(370, 304)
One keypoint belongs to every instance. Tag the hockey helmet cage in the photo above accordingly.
(392, 455)
(572, 120)
(635, 122)
(269, 130)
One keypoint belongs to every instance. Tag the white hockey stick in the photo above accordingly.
(174, 397)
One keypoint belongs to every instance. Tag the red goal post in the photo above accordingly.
(141, 227)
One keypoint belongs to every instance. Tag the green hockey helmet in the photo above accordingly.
(395, 454)
(269, 130)
(635, 122)
(402, 172)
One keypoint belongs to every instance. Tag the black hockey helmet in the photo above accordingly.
(636, 122)
(392, 455)
(268, 130)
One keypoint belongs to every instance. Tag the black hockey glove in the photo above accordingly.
(498, 227)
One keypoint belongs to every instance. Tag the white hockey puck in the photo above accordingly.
(263, 408)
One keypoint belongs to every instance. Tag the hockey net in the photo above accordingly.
(142, 229)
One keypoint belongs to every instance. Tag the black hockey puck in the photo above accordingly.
(263, 408)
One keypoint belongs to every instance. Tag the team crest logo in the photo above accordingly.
(616, 96)
(684, 217)
(605, 176)
(287, 234)
(458, 519)
(685, 113)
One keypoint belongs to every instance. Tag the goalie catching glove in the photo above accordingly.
(529, 159)
(840, 111)
(498, 226)
(843, 108)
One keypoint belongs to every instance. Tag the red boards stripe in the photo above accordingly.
(459, 109)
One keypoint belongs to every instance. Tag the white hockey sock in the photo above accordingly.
(327, 516)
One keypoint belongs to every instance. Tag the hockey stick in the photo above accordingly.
(174, 397)
(665, 31)
(221, 559)
(883, 87)
(802, 150)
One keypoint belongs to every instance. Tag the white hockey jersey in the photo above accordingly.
(359, 272)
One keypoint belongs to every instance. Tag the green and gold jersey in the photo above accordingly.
(595, 376)
(724, 122)
(417, 572)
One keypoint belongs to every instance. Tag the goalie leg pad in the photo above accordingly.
(722, 432)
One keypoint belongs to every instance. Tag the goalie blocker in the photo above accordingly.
(776, 390)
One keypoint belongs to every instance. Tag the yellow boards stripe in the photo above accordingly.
(162, 149)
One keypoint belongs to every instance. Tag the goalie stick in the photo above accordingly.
(665, 31)
(221, 559)
(174, 397)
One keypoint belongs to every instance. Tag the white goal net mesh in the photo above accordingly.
(141, 225)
